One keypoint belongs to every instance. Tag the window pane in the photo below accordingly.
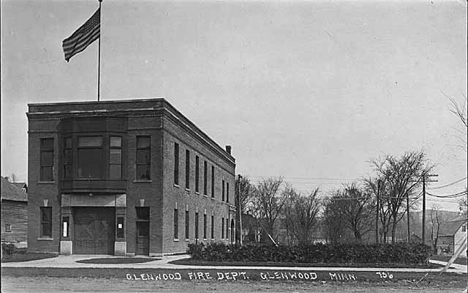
(90, 163)
(67, 143)
(46, 230)
(46, 174)
(142, 213)
(47, 144)
(67, 156)
(143, 172)
(115, 171)
(115, 141)
(47, 158)
(143, 142)
(67, 171)
(90, 141)
(143, 156)
(46, 214)
(115, 156)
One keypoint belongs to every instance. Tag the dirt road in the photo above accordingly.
(59, 285)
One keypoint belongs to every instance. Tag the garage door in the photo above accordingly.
(94, 231)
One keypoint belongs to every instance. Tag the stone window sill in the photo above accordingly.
(142, 181)
(45, 239)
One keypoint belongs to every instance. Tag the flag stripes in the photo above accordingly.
(83, 37)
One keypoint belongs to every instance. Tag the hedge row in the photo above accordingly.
(399, 253)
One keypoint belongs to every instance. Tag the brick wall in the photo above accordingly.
(39, 192)
(187, 199)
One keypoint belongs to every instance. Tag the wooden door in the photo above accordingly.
(142, 238)
(94, 231)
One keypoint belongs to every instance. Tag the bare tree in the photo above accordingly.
(13, 178)
(436, 221)
(463, 204)
(377, 187)
(267, 203)
(354, 206)
(461, 113)
(333, 223)
(301, 213)
(245, 191)
(402, 178)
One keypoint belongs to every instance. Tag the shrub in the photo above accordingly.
(8, 248)
(401, 253)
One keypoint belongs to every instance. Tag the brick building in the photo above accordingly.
(132, 177)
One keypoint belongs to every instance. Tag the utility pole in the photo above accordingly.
(423, 234)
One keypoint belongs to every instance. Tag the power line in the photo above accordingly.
(450, 184)
(462, 193)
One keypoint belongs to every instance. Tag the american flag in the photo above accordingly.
(82, 37)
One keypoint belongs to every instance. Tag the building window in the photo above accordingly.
(176, 163)
(222, 190)
(176, 224)
(187, 226)
(212, 227)
(67, 158)
(196, 226)
(197, 174)
(143, 158)
(7, 228)
(90, 158)
(187, 169)
(46, 222)
(47, 159)
(222, 228)
(227, 228)
(205, 178)
(212, 182)
(227, 191)
(204, 226)
(464, 228)
(115, 157)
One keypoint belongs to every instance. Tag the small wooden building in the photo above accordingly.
(14, 213)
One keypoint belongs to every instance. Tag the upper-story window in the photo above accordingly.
(176, 163)
(143, 155)
(67, 158)
(47, 159)
(197, 174)
(212, 182)
(115, 157)
(187, 169)
(227, 191)
(205, 178)
(90, 157)
(222, 190)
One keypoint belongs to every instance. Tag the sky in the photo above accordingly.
(307, 90)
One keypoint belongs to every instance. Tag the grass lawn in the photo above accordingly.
(21, 255)
(459, 260)
(290, 264)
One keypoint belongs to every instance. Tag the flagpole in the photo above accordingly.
(99, 54)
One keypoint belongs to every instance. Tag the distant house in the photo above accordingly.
(14, 212)
(21, 185)
(452, 236)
